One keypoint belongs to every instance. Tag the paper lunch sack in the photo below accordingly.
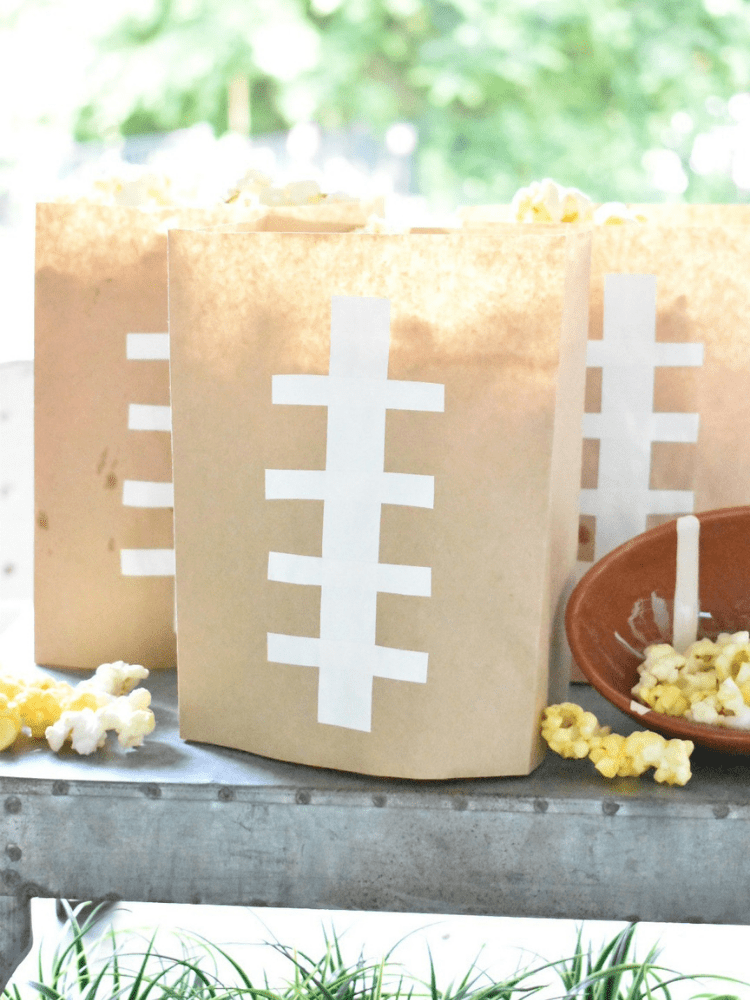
(668, 381)
(104, 553)
(377, 462)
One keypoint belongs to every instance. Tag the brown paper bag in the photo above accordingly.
(104, 559)
(668, 398)
(668, 383)
(376, 460)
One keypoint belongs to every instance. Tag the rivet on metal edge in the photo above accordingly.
(226, 794)
(302, 797)
(721, 812)
(60, 787)
(379, 800)
(151, 791)
(609, 808)
(13, 804)
(541, 805)
(14, 852)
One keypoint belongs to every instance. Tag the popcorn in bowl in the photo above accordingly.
(709, 683)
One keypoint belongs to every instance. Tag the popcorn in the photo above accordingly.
(547, 201)
(84, 714)
(38, 709)
(10, 722)
(615, 213)
(613, 755)
(83, 728)
(710, 683)
(115, 678)
(128, 715)
(569, 729)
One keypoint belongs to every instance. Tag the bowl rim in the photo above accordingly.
(702, 734)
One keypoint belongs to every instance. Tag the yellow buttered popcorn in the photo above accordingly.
(548, 201)
(569, 729)
(81, 715)
(10, 722)
(613, 755)
(709, 683)
(39, 708)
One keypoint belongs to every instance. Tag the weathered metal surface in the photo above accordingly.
(15, 934)
(612, 858)
(177, 822)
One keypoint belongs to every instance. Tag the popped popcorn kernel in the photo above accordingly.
(674, 766)
(569, 729)
(616, 213)
(38, 709)
(10, 722)
(666, 698)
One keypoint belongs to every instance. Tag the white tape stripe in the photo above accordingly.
(141, 493)
(295, 484)
(671, 501)
(296, 650)
(648, 502)
(147, 346)
(661, 355)
(330, 390)
(674, 427)
(412, 581)
(388, 578)
(391, 664)
(401, 665)
(360, 336)
(147, 562)
(285, 567)
(407, 489)
(428, 397)
(400, 488)
(301, 390)
(677, 427)
(149, 418)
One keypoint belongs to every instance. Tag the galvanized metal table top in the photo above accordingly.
(165, 758)
(182, 822)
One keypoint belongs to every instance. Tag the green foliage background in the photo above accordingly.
(500, 92)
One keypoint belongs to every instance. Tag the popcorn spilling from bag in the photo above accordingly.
(548, 201)
(83, 714)
(710, 683)
(131, 185)
(575, 733)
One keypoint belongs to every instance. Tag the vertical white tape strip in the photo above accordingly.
(353, 486)
(628, 355)
(147, 562)
(686, 600)
(149, 418)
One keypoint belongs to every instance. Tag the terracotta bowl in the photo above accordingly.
(624, 603)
